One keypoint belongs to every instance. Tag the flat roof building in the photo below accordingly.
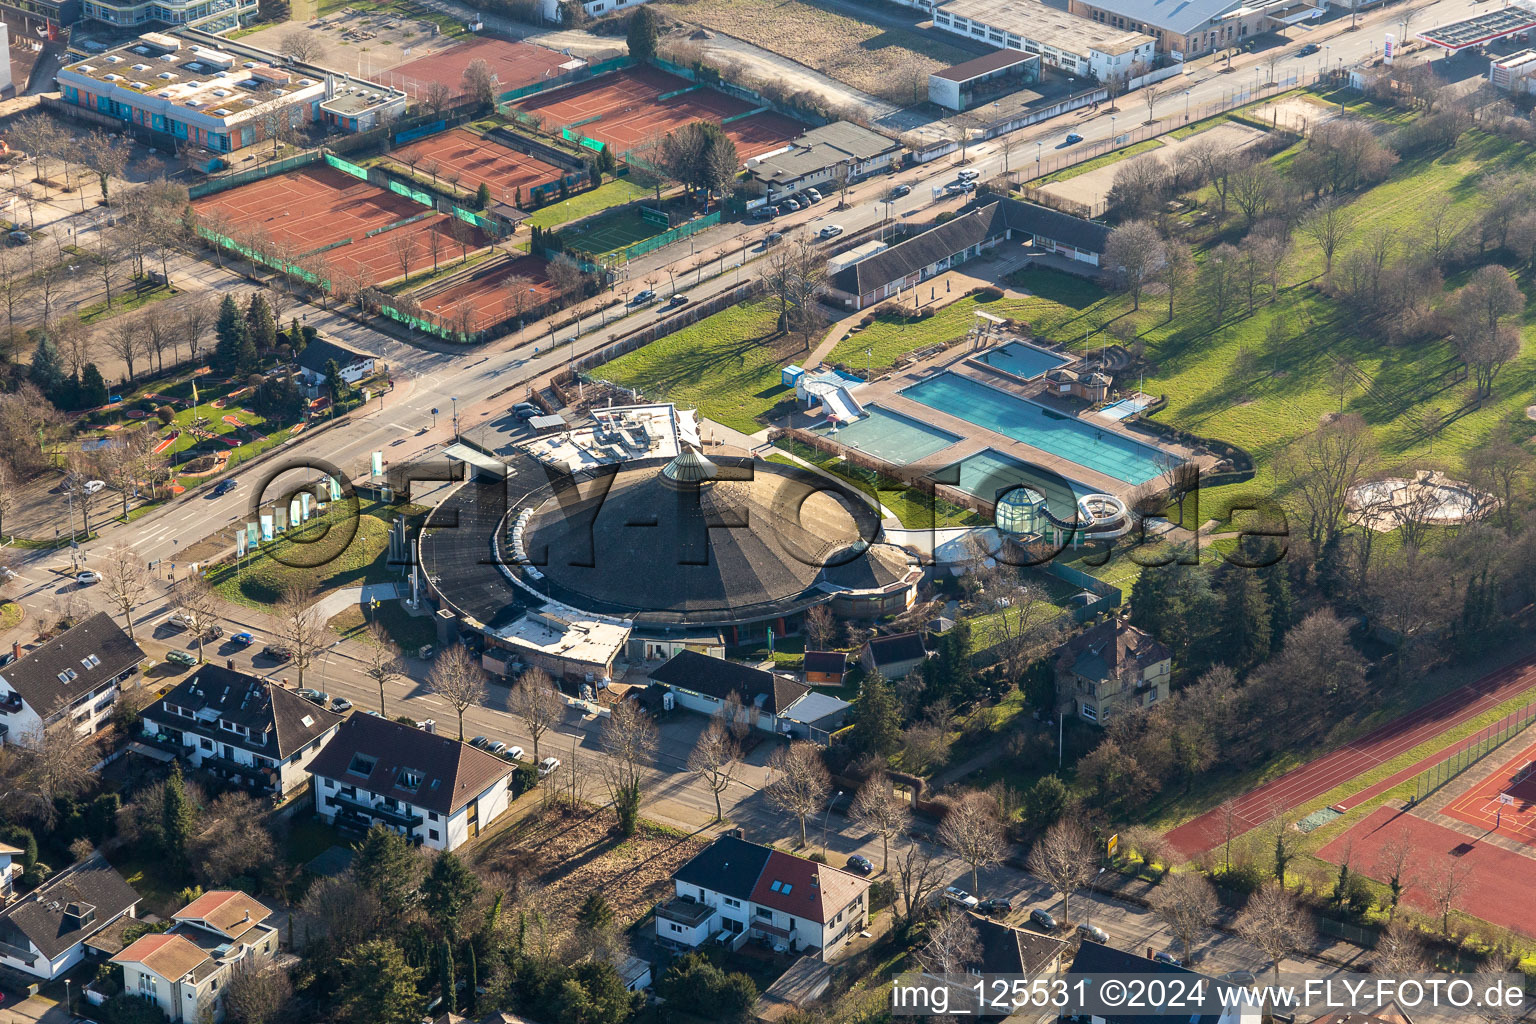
(1513, 73)
(1182, 28)
(965, 85)
(560, 644)
(1076, 45)
(811, 160)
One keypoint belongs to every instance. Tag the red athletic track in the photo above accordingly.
(1317, 777)
(487, 295)
(1498, 888)
(629, 113)
(318, 205)
(1480, 806)
(475, 159)
(515, 64)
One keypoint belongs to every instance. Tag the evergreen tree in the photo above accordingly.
(385, 864)
(47, 370)
(68, 395)
(1045, 802)
(471, 979)
(445, 967)
(178, 818)
(261, 326)
(334, 384)
(297, 339)
(231, 332)
(448, 891)
(93, 389)
(379, 986)
(595, 175)
(1245, 619)
(482, 196)
(605, 161)
(1282, 606)
(595, 914)
(876, 717)
(644, 31)
(247, 359)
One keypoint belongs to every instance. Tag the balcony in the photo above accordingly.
(11, 705)
(386, 814)
(230, 767)
(686, 912)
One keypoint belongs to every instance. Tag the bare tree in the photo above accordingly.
(1186, 903)
(56, 763)
(737, 717)
(438, 96)
(715, 759)
(198, 605)
(1133, 256)
(1063, 858)
(1321, 468)
(802, 785)
(1444, 888)
(198, 316)
(1400, 950)
(458, 679)
(1274, 921)
(384, 662)
(819, 628)
(1327, 224)
(953, 943)
(125, 339)
(480, 83)
(403, 245)
(257, 992)
(973, 832)
(299, 627)
(876, 809)
(301, 45)
(920, 872)
(629, 738)
(536, 701)
(8, 485)
(124, 581)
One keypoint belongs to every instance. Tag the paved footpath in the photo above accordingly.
(1317, 777)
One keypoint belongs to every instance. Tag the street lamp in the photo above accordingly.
(455, 402)
(825, 818)
(1186, 106)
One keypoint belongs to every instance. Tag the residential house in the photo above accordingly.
(44, 933)
(434, 789)
(701, 683)
(824, 668)
(185, 970)
(815, 716)
(736, 890)
(1111, 666)
(893, 656)
(1004, 949)
(817, 158)
(242, 728)
(10, 871)
(1232, 1008)
(355, 365)
(76, 674)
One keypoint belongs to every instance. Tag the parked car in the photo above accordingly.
(643, 297)
(224, 487)
(813, 195)
(548, 766)
(513, 753)
(525, 411)
(1308, 50)
(968, 175)
(340, 705)
(673, 301)
(774, 238)
(213, 632)
(496, 747)
(860, 864)
(1073, 138)
(178, 620)
(425, 652)
(1042, 920)
(18, 237)
(996, 905)
(277, 652)
(315, 696)
(86, 577)
(901, 190)
(791, 204)
(180, 658)
(1167, 958)
(95, 486)
(1093, 933)
(763, 213)
(242, 639)
(480, 742)
(831, 231)
(958, 188)
(960, 898)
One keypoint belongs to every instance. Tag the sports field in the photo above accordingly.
(625, 108)
(611, 231)
(476, 159)
(490, 294)
(319, 206)
(1505, 801)
(515, 64)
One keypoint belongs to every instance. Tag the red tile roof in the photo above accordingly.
(805, 888)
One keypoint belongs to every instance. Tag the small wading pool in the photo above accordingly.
(1098, 449)
(1021, 360)
(891, 436)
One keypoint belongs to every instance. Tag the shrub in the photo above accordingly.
(988, 294)
(165, 414)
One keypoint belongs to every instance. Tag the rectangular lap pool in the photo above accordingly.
(892, 436)
(1021, 360)
(1098, 449)
(986, 473)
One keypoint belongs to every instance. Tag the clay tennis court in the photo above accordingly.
(515, 64)
(488, 294)
(1480, 805)
(476, 160)
(628, 110)
(1317, 777)
(1498, 885)
(317, 206)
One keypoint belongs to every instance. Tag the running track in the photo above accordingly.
(1317, 777)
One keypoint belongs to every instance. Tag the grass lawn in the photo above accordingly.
(409, 632)
(10, 615)
(152, 877)
(584, 204)
(123, 302)
(309, 837)
(726, 366)
(324, 554)
(610, 231)
(1145, 146)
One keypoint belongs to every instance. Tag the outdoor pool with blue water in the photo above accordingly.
(892, 436)
(1101, 450)
(1021, 360)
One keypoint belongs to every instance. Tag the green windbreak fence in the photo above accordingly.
(470, 217)
(580, 139)
(401, 188)
(256, 257)
(288, 163)
(332, 160)
(749, 113)
(401, 223)
(419, 324)
(655, 242)
(327, 248)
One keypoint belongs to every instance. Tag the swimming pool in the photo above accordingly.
(1101, 450)
(1125, 407)
(1021, 360)
(892, 436)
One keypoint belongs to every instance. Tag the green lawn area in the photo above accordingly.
(1145, 146)
(610, 231)
(324, 554)
(726, 366)
(308, 837)
(409, 632)
(10, 615)
(585, 204)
